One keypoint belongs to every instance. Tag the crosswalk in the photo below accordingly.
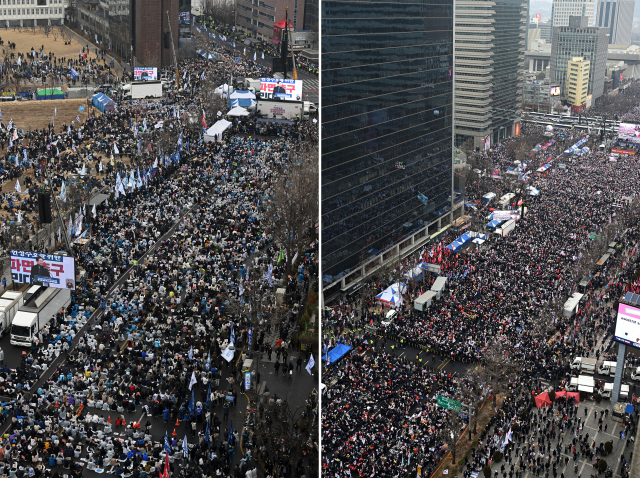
(311, 85)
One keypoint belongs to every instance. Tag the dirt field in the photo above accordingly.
(25, 40)
(38, 114)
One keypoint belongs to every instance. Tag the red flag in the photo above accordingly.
(204, 120)
(166, 465)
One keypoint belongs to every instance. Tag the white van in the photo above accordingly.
(392, 314)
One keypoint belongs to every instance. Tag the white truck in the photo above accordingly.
(607, 391)
(607, 368)
(10, 302)
(635, 374)
(309, 108)
(505, 228)
(145, 89)
(37, 311)
(289, 110)
(584, 364)
(582, 383)
(252, 84)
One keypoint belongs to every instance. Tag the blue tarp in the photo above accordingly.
(463, 241)
(629, 409)
(336, 353)
(495, 223)
(102, 102)
(243, 102)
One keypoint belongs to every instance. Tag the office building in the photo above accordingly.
(258, 16)
(579, 39)
(149, 24)
(536, 95)
(30, 13)
(617, 17)
(490, 46)
(107, 22)
(577, 83)
(387, 133)
(561, 10)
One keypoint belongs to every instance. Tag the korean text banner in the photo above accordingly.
(628, 325)
(140, 74)
(630, 133)
(284, 90)
(43, 269)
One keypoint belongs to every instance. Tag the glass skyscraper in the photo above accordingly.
(387, 119)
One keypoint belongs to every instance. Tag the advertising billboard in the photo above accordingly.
(279, 89)
(629, 133)
(628, 325)
(43, 269)
(554, 91)
(538, 17)
(142, 74)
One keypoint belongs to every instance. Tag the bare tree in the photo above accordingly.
(498, 369)
(46, 29)
(56, 33)
(291, 214)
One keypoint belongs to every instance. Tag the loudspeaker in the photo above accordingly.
(44, 207)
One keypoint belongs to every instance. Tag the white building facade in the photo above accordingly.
(561, 10)
(27, 13)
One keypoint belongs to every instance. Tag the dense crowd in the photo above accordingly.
(185, 218)
(507, 292)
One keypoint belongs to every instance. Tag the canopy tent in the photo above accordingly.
(243, 98)
(392, 295)
(103, 103)
(465, 240)
(543, 400)
(216, 130)
(50, 94)
(336, 353)
(416, 273)
(238, 111)
(493, 224)
(488, 197)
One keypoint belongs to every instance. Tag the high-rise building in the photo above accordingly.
(151, 47)
(617, 17)
(579, 39)
(387, 133)
(561, 10)
(577, 83)
(258, 16)
(490, 45)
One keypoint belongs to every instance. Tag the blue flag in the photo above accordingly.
(233, 335)
(185, 447)
(209, 362)
(207, 435)
(192, 403)
(206, 403)
(167, 446)
(231, 432)
(250, 335)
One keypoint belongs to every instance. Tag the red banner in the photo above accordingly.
(623, 151)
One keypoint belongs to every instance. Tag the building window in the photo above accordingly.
(42, 3)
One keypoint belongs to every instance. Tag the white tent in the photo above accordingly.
(243, 94)
(217, 129)
(238, 111)
(226, 89)
(392, 296)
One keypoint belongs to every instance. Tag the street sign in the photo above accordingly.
(449, 404)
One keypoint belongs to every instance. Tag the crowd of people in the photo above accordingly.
(507, 292)
(159, 321)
